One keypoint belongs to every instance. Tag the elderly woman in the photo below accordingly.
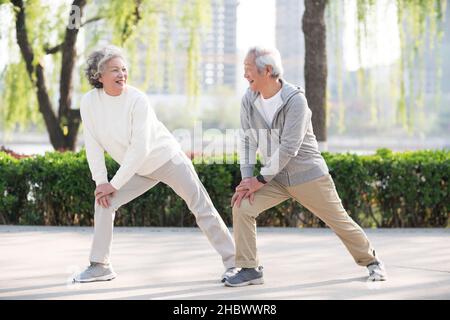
(118, 119)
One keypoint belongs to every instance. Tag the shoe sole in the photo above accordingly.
(108, 277)
(246, 283)
(225, 279)
(375, 279)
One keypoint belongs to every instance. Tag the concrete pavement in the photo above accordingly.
(178, 263)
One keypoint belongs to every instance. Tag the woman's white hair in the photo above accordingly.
(264, 57)
(97, 60)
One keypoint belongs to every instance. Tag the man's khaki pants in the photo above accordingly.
(179, 174)
(318, 196)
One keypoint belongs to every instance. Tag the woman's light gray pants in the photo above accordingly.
(179, 174)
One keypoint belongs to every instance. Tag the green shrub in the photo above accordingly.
(409, 189)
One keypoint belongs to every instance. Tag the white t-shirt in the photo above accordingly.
(126, 127)
(268, 107)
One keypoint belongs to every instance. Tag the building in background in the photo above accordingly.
(218, 58)
(219, 51)
(289, 39)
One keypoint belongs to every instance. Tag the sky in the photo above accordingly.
(255, 26)
(3, 43)
(383, 47)
(255, 23)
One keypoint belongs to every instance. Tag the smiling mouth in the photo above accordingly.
(251, 81)
(120, 81)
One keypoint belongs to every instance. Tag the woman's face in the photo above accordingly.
(114, 76)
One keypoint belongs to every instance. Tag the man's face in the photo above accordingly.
(114, 77)
(255, 79)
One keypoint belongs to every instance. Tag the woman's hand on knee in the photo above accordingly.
(104, 189)
(104, 201)
(103, 194)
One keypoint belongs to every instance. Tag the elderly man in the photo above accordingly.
(275, 116)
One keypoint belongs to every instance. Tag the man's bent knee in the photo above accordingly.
(245, 209)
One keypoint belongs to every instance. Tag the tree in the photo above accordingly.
(416, 19)
(34, 31)
(66, 118)
(314, 30)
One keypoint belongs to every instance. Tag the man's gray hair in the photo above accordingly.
(96, 62)
(267, 57)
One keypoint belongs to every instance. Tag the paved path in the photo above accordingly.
(172, 263)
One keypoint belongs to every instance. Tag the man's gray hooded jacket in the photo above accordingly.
(289, 148)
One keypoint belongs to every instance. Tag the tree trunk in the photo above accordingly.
(59, 138)
(68, 117)
(314, 30)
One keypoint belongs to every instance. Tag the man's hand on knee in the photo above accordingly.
(241, 194)
(250, 184)
(238, 196)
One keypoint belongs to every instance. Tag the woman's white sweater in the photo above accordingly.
(126, 128)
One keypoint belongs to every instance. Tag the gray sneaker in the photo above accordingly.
(229, 273)
(96, 272)
(377, 271)
(245, 277)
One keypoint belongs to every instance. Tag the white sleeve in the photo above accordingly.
(94, 151)
(142, 127)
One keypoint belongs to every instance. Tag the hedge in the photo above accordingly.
(409, 189)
